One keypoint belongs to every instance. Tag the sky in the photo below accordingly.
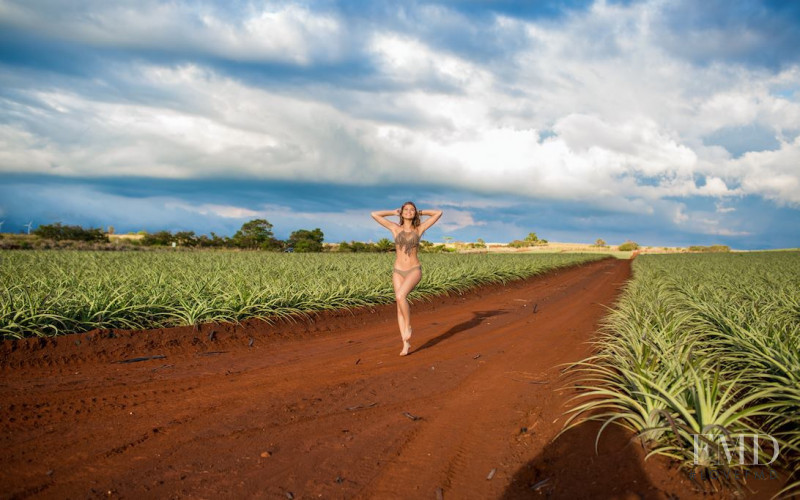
(669, 123)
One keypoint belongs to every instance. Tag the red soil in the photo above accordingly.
(326, 407)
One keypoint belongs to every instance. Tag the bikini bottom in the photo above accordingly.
(407, 271)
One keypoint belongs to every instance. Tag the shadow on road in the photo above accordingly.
(569, 468)
(461, 327)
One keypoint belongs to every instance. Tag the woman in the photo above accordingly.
(407, 269)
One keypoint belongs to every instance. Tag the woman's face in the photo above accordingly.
(409, 212)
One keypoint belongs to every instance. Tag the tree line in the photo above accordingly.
(253, 235)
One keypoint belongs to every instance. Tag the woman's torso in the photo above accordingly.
(407, 246)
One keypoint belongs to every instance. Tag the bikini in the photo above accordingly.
(407, 244)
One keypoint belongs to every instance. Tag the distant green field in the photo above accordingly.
(47, 293)
(703, 344)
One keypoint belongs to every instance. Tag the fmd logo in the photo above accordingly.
(744, 449)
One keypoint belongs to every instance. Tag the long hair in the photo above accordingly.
(415, 221)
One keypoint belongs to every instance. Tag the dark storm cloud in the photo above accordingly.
(749, 32)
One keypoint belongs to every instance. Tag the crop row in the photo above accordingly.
(51, 293)
(700, 351)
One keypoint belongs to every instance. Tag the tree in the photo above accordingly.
(58, 232)
(185, 238)
(533, 240)
(161, 238)
(307, 246)
(253, 234)
(600, 242)
(359, 246)
(384, 245)
(304, 240)
(220, 241)
(479, 243)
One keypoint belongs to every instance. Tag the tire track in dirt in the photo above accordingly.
(316, 408)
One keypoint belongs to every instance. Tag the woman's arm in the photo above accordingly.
(380, 217)
(435, 215)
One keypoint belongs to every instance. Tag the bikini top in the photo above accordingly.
(407, 241)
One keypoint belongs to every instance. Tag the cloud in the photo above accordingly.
(458, 219)
(772, 174)
(714, 186)
(679, 216)
(226, 211)
(703, 222)
(217, 127)
(750, 32)
(470, 203)
(602, 105)
(720, 208)
(287, 33)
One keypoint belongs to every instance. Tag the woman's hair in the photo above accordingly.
(415, 221)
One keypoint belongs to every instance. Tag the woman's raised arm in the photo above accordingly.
(435, 215)
(380, 217)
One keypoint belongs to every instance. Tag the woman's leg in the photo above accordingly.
(404, 309)
(397, 282)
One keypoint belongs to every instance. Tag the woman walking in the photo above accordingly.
(407, 269)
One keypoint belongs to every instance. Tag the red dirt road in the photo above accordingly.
(326, 408)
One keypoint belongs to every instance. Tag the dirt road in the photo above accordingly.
(327, 408)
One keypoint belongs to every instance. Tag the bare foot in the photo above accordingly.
(406, 343)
